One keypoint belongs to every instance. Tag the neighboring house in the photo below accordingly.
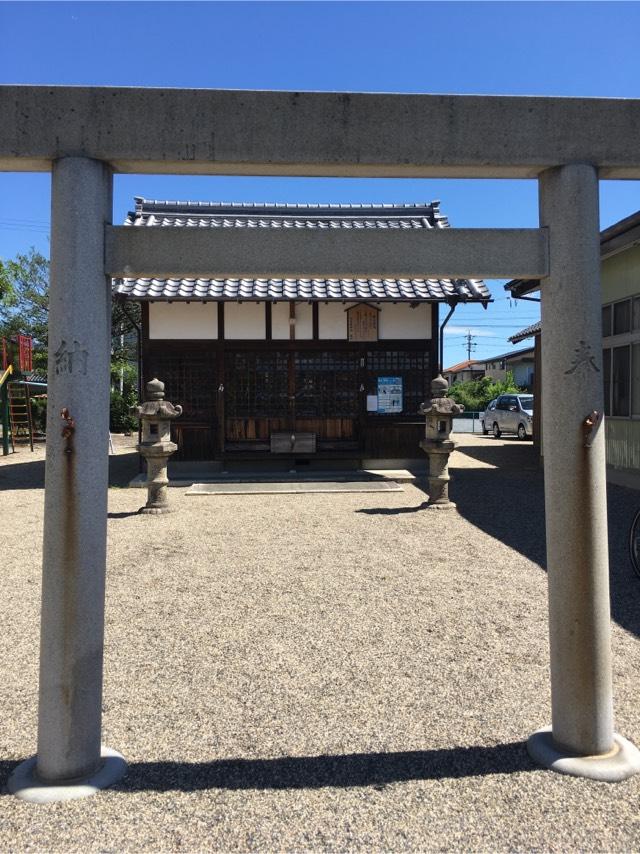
(620, 277)
(534, 331)
(309, 368)
(464, 371)
(620, 252)
(520, 363)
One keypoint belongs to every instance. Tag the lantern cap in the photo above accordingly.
(439, 386)
(155, 389)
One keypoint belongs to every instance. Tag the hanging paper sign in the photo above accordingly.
(389, 394)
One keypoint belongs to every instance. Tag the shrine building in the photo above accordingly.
(298, 370)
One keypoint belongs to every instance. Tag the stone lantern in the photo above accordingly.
(156, 415)
(437, 443)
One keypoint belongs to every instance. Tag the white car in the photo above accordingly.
(486, 419)
(513, 413)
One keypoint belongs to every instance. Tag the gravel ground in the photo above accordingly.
(321, 672)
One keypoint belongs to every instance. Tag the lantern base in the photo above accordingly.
(155, 511)
(450, 505)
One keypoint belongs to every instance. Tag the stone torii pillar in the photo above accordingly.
(71, 762)
(581, 740)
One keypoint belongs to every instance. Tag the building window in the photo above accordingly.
(606, 370)
(635, 378)
(621, 365)
(622, 317)
(620, 381)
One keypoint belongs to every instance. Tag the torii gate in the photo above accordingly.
(83, 135)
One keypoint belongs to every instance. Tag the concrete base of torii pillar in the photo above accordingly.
(25, 784)
(621, 762)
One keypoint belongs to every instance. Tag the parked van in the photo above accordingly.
(513, 413)
(486, 419)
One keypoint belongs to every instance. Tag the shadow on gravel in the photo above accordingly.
(316, 772)
(30, 473)
(391, 511)
(507, 503)
(513, 454)
(22, 475)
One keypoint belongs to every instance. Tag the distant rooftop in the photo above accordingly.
(462, 366)
(509, 355)
(527, 332)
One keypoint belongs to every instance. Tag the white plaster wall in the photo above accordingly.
(304, 321)
(280, 321)
(332, 320)
(244, 320)
(183, 320)
(399, 320)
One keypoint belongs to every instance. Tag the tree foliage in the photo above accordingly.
(24, 309)
(475, 395)
(24, 301)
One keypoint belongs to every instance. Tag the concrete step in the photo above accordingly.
(304, 477)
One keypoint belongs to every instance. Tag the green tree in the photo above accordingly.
(6, 286)
(474, 395)
(24, 309)
(24, 301)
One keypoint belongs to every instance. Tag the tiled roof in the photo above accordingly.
(463, 366)
(411, 290)
(154, 213)
(528, 332)
(151, 212)
(510, 355)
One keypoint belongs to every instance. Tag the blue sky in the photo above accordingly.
(587, 49)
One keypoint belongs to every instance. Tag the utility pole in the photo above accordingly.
(469, 343)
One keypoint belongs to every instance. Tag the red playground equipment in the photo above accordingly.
(16, 394)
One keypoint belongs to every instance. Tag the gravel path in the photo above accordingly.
(323, 672)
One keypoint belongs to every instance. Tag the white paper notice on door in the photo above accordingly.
(372, 403)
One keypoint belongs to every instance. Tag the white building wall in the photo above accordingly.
(400, 320)
(332, 320)
(244, 320)
(304, 321)
(180, 320)
(280, 321)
